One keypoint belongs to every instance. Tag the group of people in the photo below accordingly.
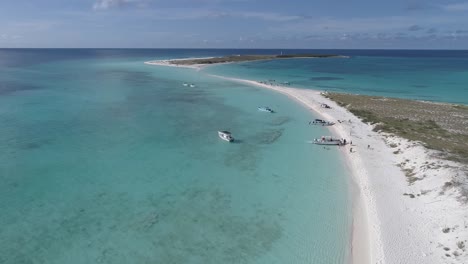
(342, 121)
(351, 149)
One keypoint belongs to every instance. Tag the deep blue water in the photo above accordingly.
(439, 76)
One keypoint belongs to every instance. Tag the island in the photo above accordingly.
(200, 62)
(242, 58)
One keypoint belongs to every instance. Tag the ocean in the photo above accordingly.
(105, 159)
(437, 76)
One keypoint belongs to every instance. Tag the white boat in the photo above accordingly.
(192, 85)
(185, 84)
(225, 135)
(321, 122)
(328, 141)
(265, 109)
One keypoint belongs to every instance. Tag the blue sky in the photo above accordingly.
(428, 24)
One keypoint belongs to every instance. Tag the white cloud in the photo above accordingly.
(109, 4)
(415, 28)
(361, 25)
(269, 16)
(33, 25)
(456, 7)
(7, 37)
(203, 13)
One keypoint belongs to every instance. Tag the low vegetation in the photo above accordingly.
(242, 58)
(442, 127)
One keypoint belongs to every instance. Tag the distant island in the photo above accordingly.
(242, 58)
(199, 63)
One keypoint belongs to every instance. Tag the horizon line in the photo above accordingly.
(240, 48)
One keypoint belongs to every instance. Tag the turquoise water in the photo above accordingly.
(440, 79)
(106, 160)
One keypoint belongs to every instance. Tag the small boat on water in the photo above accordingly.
(321, 122)
(192, 85)
(328, 141)
(185, 84)
(265, 109)
(225, 135)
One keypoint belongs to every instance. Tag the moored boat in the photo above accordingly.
(225, 135)
(192, 85)
(321, 122)
(328, 141)
(185, 84)
(265, 109)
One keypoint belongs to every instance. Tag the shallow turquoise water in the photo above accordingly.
(114, 161)
(440, 79)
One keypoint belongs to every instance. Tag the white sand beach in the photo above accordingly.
(393, 221)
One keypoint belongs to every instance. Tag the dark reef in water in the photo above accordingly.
(419, 86)
(278, 121)
(7, 88)
(268, 136)
(326, 78)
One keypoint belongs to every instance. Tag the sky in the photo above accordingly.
(314, 24)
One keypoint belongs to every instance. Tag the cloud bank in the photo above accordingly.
(456, 7)
(110, 4)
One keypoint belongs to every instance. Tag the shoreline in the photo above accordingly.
(393, 221)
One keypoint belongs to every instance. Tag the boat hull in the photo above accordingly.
(323, 124)
(267, 110)
(225, 136)
(226, 139)
(334, 143)
(320, 122)
(328, 141)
